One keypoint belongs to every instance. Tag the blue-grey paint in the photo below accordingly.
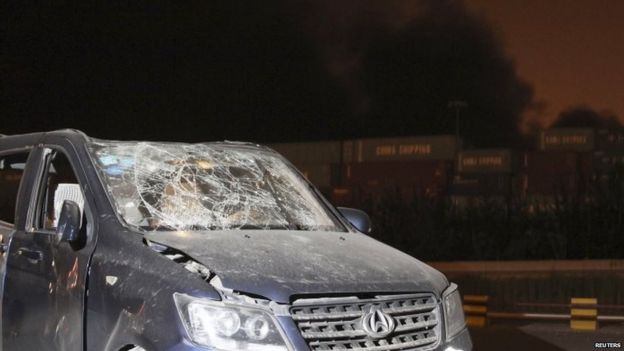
(114, 290)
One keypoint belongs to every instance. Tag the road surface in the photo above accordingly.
(538, 336)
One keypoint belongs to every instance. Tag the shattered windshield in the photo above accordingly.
(175, 186)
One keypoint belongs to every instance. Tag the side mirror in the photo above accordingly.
(358, 218)
(66, 191)
(68, 227)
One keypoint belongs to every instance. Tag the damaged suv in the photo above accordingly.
(123, 245)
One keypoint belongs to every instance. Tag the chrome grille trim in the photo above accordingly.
(335, 323)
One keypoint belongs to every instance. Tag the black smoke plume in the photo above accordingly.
(272, 70)
(586, 117)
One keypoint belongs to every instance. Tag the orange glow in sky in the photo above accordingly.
(572, 51)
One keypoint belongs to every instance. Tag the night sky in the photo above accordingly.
(570, 50)
(288, 71)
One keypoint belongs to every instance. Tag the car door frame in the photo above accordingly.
(5, 239)
(66, 318)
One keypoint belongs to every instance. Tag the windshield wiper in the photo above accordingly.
(260, 227)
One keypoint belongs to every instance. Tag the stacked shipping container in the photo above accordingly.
(562, 161)
(353, 170)
(560, 164)
(485, 173)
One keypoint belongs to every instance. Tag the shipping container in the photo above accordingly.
(610, 139)
(483, 185)
(315, 160)
(604, 162)
(428, 178)
(485, 161)
(322, 152)
(566, 139)
(342, 196)
(317, 174)
(556, 172)
(609, 152)
(441, 147)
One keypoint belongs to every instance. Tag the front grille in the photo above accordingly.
(336, 323)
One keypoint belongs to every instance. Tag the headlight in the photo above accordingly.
(453, 311)
(228, 326)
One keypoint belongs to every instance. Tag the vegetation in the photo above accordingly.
(587, 225)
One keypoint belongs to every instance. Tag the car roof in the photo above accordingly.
(8, 142)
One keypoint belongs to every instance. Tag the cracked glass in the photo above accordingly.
(212, 186)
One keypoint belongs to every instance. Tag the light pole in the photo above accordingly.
(457, 105)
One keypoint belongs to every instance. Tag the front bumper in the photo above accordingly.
(460, 342)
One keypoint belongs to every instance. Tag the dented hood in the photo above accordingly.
(280, 264)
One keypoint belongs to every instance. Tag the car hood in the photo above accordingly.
(281, 264)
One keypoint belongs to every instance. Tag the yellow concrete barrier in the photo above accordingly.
(583, 313)
(475, 308)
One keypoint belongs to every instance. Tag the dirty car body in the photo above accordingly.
(119, 245)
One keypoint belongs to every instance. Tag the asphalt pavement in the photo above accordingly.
(551, 336)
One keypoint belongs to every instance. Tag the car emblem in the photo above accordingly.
(377, 324)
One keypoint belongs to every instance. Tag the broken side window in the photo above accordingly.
(11, 171)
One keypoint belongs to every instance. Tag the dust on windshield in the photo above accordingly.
(175, 186)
